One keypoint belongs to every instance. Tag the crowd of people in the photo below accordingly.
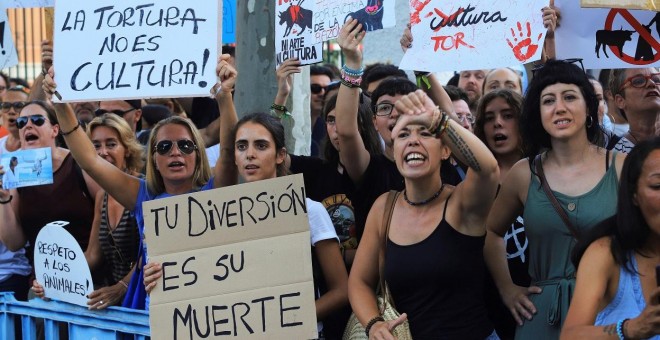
(486, 212)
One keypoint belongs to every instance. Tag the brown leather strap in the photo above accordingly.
(387, 218)
(551, 197)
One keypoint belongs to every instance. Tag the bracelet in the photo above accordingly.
(351, 71)
(371, 323)
(121, 282)
(349, 84)
(44, 72)
(8, 200)
(619, 329)
(70, 131)
(279, 107)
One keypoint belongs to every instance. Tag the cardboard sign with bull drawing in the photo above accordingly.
(608, 38)
(330, 15)
(293, 33)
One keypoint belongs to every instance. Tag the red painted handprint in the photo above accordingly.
(519, 49)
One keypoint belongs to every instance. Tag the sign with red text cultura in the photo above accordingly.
(236, 263)
(467, 35)
(106, 49)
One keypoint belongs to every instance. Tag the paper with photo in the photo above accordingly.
(24, 168)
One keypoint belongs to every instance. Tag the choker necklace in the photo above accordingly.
(426, 201)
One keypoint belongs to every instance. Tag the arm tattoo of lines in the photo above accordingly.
(463, 148)
(610, 329)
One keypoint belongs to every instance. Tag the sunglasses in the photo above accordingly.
(185, 145)
(567, 61)
(120, 113)
(641, 80)
(37, 120)
(316, 88)
(6, 106)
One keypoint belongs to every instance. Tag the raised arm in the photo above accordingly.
(477, 192)
(225, 170)
(352, 152)
(105, 174)
(551, 17)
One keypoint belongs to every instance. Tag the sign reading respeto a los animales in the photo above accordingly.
(60, 265)
(132, 49)
(236, 263)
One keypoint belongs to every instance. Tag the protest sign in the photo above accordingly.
(651, 5)
(60, 265)
(236, 258)
(293, 33)
(8, 56)
(229, 22)
(461, 35)
(608, 38)
(29, 3)
(330, 15)
(25, 168)
(131, 50)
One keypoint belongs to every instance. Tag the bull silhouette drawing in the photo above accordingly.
(371, 16)
(612, 38)
(296, 15)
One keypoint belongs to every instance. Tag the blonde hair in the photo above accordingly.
(202, 172)
(134, 150)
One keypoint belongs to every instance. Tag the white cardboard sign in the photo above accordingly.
(330, 15)
(29, 3)
(60, 265)
(8, 56)
(478, 34)
(108, 50)
(293, 33)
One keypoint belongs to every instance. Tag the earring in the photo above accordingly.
(590, 121)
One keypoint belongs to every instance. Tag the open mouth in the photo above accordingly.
(500, 137)
(29, 137)
(653, 94)
(414, 158)
(562, 122)
(175, 164)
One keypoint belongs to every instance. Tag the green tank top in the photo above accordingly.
(551, 244)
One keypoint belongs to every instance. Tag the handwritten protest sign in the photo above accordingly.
(29, 3)
(8, 56)
(25, 168)
(330, 15)
(132, 49)
(652, 5)
(293, 33)
(462, 35)
(608, 38)
(236, 258)
(60, 265)
(229, 21)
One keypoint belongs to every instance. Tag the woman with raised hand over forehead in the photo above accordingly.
(433, 260)
(176, 160)
(559, 127)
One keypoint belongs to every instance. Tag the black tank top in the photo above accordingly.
(439, 283)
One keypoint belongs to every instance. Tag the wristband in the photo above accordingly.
(70, 131)
(619, 329)
(349, 84)
(279, 107)
(351, 71)
(8, 200)
(371, 323)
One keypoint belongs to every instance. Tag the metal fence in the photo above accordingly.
(28, 27)
(62, 320)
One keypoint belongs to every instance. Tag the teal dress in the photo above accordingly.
(551, 244)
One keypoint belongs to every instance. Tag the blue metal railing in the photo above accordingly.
(110, 323)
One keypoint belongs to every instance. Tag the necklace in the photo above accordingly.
(426, 201)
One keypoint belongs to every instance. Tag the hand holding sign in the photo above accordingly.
(349, 39)
(227, 75)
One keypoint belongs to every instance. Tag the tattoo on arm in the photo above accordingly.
(463, 148)
(610, 329)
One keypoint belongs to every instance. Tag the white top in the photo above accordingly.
(3, 145)
(320, 224)
(624, 145)
(213, 154)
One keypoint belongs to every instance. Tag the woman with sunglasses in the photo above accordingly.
(176, 163)
(617, 290)
(113, 244)
(559, 129)
(24, 211)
